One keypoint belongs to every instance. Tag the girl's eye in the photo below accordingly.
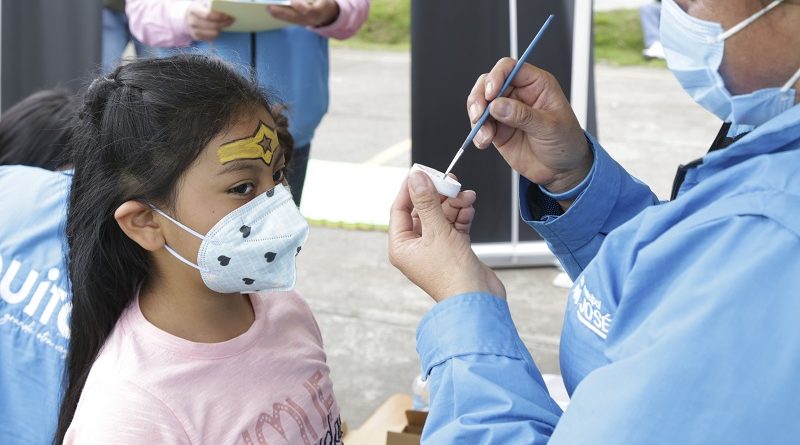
(243, 189)
(279, 175)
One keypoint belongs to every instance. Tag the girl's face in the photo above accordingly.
(221, 181)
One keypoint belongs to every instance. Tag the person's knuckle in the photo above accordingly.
(424, 207)
(549, 80)
(523, 116)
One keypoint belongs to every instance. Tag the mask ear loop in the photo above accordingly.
(184, 227)
(743, 24)
(791, 82)
(181, 258)
(176, 222)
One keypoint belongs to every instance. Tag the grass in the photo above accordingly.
(347, 226)
(388, 27)
(618, 36)
(618, 39)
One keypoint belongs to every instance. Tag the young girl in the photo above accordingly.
(182, 244)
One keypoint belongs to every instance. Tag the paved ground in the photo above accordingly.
(367, 311)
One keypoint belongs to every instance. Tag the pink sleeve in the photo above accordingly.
(160, 23)
(352, 14)
(123, 414)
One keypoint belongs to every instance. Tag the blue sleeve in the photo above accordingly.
(484, 386)
(707, 358)
(612, 197)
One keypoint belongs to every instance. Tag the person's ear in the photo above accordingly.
(138, 221)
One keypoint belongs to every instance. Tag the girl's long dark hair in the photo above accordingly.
(139, 129)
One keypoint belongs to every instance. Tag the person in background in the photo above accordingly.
(681, 327)
(291, 61)
(35, 132)
(117, 36)
(34, 292)
(650, 17)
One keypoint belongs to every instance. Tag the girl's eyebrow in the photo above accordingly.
(239, 165)
(250, 164)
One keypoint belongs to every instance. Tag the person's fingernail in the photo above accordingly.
(473, 112)
(489, 88)
(482, 136)
(502, 109)
(417, 181)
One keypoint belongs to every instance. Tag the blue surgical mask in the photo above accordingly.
(694, 50)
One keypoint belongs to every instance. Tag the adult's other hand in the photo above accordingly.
(429, 241)
(205, 24)
(307, 13)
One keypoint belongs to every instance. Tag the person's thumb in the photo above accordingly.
(427, 203)
(516, 114)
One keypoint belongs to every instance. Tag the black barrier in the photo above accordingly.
(452, 43)
(47, 43)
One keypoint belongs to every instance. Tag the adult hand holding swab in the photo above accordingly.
(503, 89)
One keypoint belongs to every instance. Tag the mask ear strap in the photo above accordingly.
(791, 81)
(170, 249)
(182, 259)
(725, 35)
(176, 222)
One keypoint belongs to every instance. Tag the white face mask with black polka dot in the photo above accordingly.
(252, 248)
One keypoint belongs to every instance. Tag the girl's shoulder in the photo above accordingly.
(121, 412)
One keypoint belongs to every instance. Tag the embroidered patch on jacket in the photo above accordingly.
(589, 309)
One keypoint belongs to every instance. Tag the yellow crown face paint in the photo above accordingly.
(261, 145)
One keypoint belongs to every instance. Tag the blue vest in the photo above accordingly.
(34, 302)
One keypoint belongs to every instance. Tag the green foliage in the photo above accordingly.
(618, 38)
(618, 35)
(388, 27)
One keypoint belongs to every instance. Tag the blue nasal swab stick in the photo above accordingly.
(510, 77)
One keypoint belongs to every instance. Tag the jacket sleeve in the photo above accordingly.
(352, 14)
(611, 198)
(696, 355)
(484, 386)
(160, 23)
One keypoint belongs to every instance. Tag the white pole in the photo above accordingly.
(581, 55)
(514, 49)
(1, 56)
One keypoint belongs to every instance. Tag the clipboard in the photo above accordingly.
(250, 15)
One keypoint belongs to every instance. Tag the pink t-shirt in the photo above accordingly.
(270, 385)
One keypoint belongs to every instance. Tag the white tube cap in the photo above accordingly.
(445, 186)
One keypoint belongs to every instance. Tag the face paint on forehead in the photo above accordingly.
(261, 145)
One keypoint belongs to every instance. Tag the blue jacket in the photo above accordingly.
(291, 63)
(682, 325)
(34, 302)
